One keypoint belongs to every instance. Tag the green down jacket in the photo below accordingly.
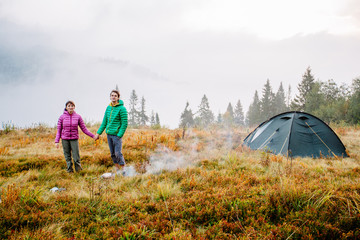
(115, 120)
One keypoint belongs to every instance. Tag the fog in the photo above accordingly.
(169, 52)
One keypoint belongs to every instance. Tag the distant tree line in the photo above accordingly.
(204, 117)
(325, 99)
(270, 104)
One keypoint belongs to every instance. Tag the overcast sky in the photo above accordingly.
(169, 51)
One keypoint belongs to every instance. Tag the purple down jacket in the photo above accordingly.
(67, 127)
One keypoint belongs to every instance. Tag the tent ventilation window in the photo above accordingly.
(285, 118)
(303, 118)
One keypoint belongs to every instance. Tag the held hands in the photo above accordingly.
(96, 137)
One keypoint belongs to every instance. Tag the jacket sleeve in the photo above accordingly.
(59, 129)
(83, 128)
(103, 124)
(124, 122)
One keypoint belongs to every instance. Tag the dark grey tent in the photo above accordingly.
(296, 134)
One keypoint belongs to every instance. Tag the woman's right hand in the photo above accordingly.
(57, 145)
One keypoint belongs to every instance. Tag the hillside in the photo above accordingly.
(205, 186)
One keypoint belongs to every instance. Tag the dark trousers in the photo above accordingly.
(115, 145)
(72, 147)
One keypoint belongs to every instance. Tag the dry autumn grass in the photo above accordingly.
(206, 186)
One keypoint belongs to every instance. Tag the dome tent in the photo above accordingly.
(296, 134)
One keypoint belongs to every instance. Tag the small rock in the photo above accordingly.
(56, 189)
(108, 175)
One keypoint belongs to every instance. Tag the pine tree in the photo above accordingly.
(219, 119)
(186, 118)
(354, 102)
(230, 110)
(314, 98)
(206, 116)
(238, 114)
(143, 118)
(280, 101)
(152, 119)
(228, 117)
(157, 120)
(253, 115)
(304, 89)
(288, 98)
(133, 113)
(267, 102)
(332, 92)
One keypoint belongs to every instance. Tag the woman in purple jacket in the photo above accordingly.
(67, 130)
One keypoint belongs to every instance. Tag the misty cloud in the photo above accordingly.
(80, 50)
(23, 58)
(352, 11)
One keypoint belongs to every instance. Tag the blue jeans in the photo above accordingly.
(115, 145)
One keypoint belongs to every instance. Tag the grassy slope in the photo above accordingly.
(220, 191)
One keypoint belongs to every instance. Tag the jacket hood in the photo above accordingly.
(120, 103)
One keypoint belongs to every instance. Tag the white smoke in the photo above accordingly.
(166, 159)
(130, 171)
(192, 150)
